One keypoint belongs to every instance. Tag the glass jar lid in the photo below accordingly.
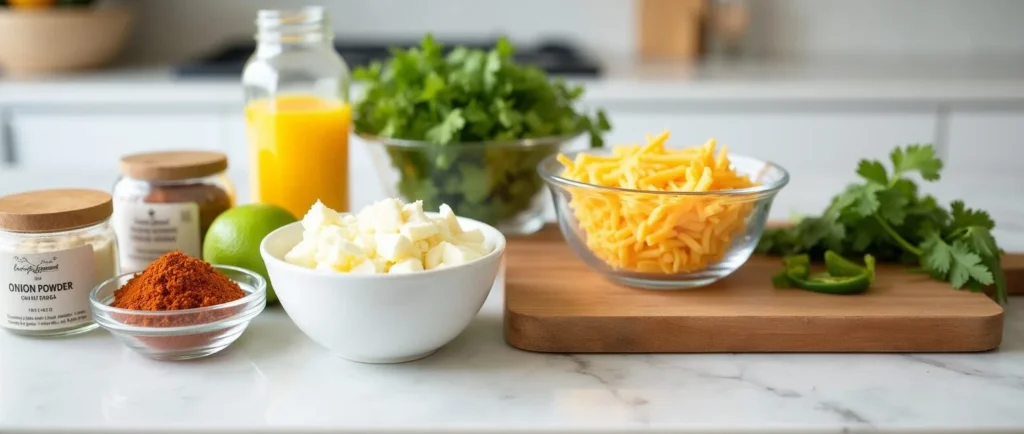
(173, 165)
(54, 210)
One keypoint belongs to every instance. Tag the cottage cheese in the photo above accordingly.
(385, 237)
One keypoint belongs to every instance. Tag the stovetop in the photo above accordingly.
(554, 57)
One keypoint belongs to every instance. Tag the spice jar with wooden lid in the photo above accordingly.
(55, 246)
(166, 201)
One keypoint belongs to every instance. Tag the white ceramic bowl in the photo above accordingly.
(381, 318)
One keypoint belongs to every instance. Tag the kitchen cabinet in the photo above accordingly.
(986, 143)
(82, 140)
(984, 165)
(804, 143)
(5, 140)
(233, 127)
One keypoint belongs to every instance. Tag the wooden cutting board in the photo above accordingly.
(555, 303)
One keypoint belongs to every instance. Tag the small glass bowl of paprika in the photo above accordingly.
(154, 312)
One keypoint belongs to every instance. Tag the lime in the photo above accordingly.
(234, 238)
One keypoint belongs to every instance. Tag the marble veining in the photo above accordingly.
(1014, 380)
(276, 380)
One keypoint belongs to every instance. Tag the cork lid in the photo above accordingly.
(54, 210)
(173, 165)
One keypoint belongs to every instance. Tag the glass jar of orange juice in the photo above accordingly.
(297, 112)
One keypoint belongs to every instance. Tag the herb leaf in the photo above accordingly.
(861, 198)
(887, 218)
(873, 171)
(448, 128)
(892, 206)
(967, 265)
(916, 158)
(937, 255)
(964, 217)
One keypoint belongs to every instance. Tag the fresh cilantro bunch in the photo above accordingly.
(468, 95)
(886, 217)
(461, 103)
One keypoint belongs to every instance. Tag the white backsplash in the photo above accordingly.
(172, 30)
(169, 31)
(883, 27)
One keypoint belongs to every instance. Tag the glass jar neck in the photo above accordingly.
(283, 29)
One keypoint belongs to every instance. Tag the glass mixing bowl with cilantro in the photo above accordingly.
(468, 127)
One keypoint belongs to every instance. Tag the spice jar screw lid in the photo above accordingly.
(54, 210)
(173, 165)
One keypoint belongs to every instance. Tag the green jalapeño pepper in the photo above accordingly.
(799, 266)
(842, 267)
(791, 261)
(843, 276)
(829, 284)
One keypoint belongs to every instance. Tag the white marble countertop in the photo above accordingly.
(846, 79)
(274, 379)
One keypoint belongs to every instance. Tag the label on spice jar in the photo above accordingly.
(145, 231)
(46, 291)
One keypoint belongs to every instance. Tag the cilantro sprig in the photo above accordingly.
(887, 217)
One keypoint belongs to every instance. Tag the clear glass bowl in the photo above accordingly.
(736, 218)
(492, 182)
(181, 334)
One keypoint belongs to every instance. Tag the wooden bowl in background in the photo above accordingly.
(61, 39)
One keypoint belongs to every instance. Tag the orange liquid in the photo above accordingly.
(298, 150)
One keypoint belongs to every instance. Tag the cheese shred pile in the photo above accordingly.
(658, 233)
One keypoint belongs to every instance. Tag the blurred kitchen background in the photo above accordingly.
(811, 84)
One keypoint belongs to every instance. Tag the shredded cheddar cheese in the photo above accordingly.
(655, 233)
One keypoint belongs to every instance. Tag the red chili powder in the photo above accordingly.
(176, 281)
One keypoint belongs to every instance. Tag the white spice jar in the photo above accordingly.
(55, 247)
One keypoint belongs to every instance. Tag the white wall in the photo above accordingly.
(897, 27)
(181, 28)
(174, 30)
